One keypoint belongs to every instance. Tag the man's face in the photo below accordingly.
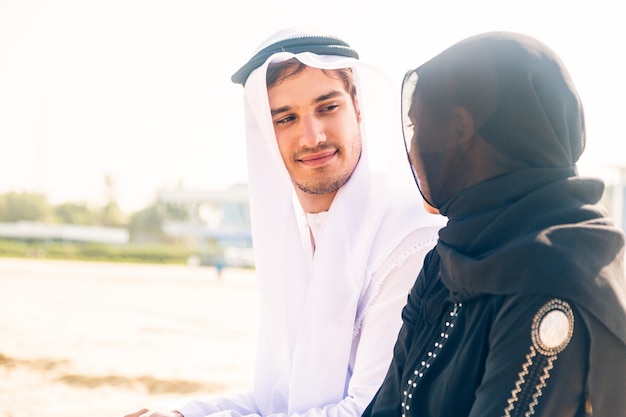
(317, 128)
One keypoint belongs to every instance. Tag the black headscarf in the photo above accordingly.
(520, 219)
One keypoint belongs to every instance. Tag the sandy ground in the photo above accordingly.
(99, 339)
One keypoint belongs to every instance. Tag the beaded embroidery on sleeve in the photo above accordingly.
(551, 331)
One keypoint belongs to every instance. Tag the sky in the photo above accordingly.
(140, 90)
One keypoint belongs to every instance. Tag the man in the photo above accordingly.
(337, 233)
(520, 309)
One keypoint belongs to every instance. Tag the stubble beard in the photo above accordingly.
(324, 187)
(322, 184)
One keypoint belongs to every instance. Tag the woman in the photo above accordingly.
(520, 308)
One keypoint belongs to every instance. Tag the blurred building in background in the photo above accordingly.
(28, 231)
(217, 224)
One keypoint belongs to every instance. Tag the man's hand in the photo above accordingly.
(144, 412)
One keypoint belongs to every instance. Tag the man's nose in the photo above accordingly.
(312, 133)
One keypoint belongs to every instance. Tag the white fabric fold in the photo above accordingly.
(311, 320)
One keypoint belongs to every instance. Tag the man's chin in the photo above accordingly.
(321, 188)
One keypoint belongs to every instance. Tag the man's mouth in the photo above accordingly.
(317, 158)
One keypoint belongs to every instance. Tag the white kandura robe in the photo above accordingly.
(328, 322)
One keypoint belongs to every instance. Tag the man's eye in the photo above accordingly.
(284, 120)
(330, 107)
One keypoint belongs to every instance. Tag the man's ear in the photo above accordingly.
(462, 123)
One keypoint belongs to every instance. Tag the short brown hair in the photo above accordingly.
(278, 71)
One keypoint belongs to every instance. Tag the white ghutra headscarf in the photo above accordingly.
(311, 310)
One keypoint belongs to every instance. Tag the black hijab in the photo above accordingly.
(520, 218)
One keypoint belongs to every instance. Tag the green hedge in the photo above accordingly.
(162, 254)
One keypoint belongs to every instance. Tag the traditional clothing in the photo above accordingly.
(329, 313)
(521, 308)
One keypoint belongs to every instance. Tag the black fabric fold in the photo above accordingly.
(553, 240)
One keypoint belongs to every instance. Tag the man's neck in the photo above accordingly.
(315, 203)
